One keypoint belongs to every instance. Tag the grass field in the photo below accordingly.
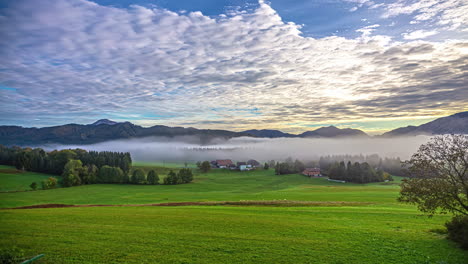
(12, 179)
(381, 232)
(218, 185)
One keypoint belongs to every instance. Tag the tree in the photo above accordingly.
(138, 177)
(33, 186)
(171, 178)
(298, 166)
(50, 183)
(185, 175)
(89, 174)
(71, 173)
(438, 182)
(266, 166)
(438, 174)
(205, 166)
(152, 177)
(108, 174)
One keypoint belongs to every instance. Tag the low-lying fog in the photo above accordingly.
(192, 149)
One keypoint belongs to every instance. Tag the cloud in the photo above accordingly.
(452, 14)
(79, 60)
(419, 34)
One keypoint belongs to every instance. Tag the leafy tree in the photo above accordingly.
(439, 176)
(205, 166)
(152, 177)
(185, 175)
(50, 183)
(138, 177)
(33, 186)
(108, 174)
(71, 173)
(266, 166)
(439, 182)
(90, 173)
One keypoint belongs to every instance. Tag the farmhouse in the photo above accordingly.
(223, 164)
(253, 163)
(312, 172)
(243, 166)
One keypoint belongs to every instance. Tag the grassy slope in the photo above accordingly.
(219, 185)
(384, 232)
(13, 180)
(228, 235)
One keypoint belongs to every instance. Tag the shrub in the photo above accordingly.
(50, 183)
(11, 255)
(33, 186)
(458, 230)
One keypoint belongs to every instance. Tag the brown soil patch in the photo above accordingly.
(277, 203)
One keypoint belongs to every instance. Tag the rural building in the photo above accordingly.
(224, 164)
(312, 172)
(253, 163)
(243, 166)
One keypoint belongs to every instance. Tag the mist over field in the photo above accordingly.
(193, 149)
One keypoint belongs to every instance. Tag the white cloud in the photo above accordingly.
(451, 13)
(241, 70)
(419, 34)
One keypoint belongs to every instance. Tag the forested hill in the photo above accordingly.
(102, 130)
(454, 124)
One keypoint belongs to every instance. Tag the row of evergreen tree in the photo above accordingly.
(356, 172)
(54, 162)
(76, 174)
(390, 165)
(289, 166)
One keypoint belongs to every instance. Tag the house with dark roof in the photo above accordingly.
(253, 163)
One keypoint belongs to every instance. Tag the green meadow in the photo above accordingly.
(12, 179)
(374, 228)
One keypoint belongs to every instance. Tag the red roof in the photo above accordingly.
(311, 170)
(224, 162)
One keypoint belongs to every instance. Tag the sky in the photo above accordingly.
(233, 64)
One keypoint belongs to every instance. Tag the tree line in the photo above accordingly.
(53, 162)
(288, 166)
(357, 172)
(390, 165)
(78, 166)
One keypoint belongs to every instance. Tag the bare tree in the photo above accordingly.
(438, 174)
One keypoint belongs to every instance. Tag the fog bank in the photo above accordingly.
(193, 149)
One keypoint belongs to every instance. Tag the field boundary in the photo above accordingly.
(279, 203)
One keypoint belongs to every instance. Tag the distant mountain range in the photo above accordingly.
(104, 130)
(454, 124)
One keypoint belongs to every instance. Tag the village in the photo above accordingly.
(253, 164)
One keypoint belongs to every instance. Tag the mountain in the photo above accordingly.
(268, 133)
(99, 132)
(454, 124)
(332, 132)
(104, 130)
(104, 122)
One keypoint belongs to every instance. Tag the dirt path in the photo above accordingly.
(215, 203)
